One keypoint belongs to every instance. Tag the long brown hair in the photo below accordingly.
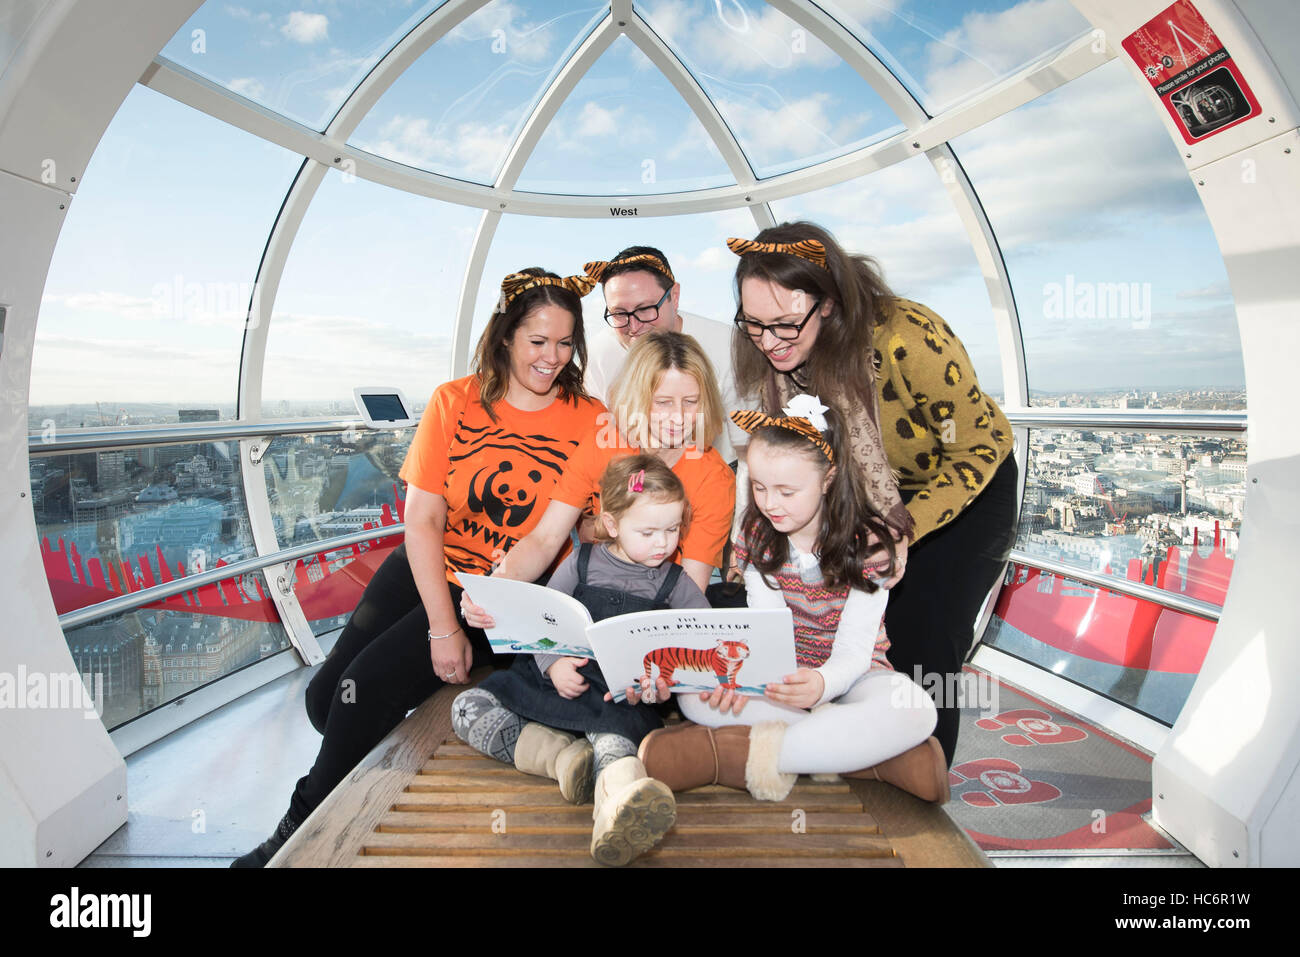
(847, 518)
(856, 290)
(492, 358)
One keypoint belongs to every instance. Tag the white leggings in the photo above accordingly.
(882, 715)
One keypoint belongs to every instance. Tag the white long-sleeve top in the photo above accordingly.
(859, 637)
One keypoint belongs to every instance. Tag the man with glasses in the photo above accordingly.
(641, 297)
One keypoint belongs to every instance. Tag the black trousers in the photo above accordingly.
(931, 612)
(378, 670)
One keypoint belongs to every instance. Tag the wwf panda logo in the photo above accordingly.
(505, 498)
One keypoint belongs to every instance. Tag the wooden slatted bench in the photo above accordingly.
(422, 798)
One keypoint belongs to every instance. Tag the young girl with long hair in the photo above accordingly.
(514, 715)
(806, 543)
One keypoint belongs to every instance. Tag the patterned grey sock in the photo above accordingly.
(479, 720)
(609, 748)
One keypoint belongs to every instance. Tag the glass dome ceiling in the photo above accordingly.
(782, 95)
(306, 196)
(677, 120)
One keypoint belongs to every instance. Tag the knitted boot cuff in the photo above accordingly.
(762, 778)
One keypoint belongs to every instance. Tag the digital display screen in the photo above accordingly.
(384, 408)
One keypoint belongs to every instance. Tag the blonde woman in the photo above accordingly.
(666, 402)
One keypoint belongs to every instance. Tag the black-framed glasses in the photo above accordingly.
(642, 314)
(782, 330)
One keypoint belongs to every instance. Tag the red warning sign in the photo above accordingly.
(1191, 72)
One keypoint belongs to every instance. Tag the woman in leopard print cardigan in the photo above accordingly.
(935, 452)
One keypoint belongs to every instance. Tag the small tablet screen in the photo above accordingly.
(384, 407)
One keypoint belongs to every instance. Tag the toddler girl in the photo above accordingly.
(514, 715)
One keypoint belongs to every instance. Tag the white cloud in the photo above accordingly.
(794, 129)
(594, 120)
(336, 348)
(693, 143)
(986, 47)
(86, 369)
(728, 37)
(866, 12)
(302, 27)
(713, 259)
(900, 216)
(1218, 290)
(1058, 172)
(504, 23)
(470, 148)
(243, 13)
(121, 305)
(248, 86)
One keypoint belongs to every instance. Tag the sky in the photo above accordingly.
(146, 294)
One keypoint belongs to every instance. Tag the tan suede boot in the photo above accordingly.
(690, 755)
(736, 756)
(921, 771)
(561, 757)
(632, 812)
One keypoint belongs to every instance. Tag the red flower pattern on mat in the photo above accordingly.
(1005, 783)
(1038, 728)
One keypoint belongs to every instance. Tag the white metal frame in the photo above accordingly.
(327, 148)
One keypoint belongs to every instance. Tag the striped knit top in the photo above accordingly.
(815, 607)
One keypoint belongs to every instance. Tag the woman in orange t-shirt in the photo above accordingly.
(667, 402)
(479, 475)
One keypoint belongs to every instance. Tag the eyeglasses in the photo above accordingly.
(782, 330)
(642, 314)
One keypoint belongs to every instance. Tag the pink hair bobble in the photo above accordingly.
(636, 481)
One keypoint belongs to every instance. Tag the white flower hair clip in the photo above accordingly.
(805, 406)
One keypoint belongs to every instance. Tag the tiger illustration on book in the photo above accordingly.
(724, 660)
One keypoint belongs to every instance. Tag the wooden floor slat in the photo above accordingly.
(423, 798)
(488, 860)
(579, 819)
(810, 844)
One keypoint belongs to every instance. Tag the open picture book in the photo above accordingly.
(693, 649)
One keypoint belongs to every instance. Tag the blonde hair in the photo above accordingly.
(659, 483)
(652, 355)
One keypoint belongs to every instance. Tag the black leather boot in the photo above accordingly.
(260, 855)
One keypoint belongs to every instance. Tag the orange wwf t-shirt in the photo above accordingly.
(497, 477)
(709, 482)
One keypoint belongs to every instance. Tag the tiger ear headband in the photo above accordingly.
(809, 249)
(596, 270)
(802, 415)
(520, 282)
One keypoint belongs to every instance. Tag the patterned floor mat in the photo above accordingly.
(1031, 776)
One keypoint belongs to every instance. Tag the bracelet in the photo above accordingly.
(433, 637)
